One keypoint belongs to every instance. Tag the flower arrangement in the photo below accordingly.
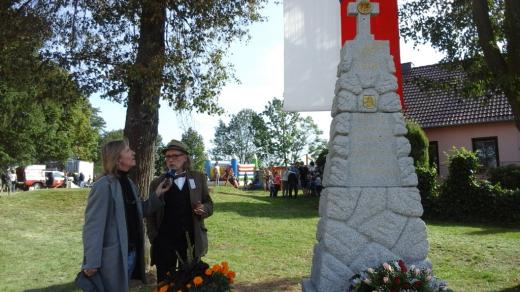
(195, 275)
(200, 278)
(396, 276)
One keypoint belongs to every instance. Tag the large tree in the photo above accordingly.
(289, 135)
(139, 51)
(480, 36)
(241, 138)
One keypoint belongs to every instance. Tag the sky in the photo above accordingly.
(259, 67)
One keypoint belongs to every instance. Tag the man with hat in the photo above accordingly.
(187, 204)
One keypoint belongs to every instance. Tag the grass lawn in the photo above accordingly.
(267, 242)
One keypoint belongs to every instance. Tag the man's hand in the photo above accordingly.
(163, 187)
(90, 272)
(198, 208)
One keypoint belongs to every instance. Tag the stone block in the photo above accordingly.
(342, 241)
(349, 81)
(328, 273)
(405, 201)
(341, 202)
(412, 245)
(389, 102)
(408, 176)
(372, 256)
(336, 172)
(339, 146)
(403, 147)
(384, 228)
(340, 125)
(372, 201)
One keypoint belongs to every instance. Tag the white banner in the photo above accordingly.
(312, 44)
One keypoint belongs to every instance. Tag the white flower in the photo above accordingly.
(412, 267)
(370, 270)
(356, 281)
(387, 267)
(385, 279)
(367, 281)
(429, 278)
(416, 271)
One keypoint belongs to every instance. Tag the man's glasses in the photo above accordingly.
(173, 156)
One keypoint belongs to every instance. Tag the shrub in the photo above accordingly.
(463, 197)
(419, 142)
(428, 187)
(508, 176)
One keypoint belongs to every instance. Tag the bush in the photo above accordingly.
(428, 187)
(464, 198)
(419, 142)
(508, 176)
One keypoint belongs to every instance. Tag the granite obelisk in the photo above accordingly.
(370, 209)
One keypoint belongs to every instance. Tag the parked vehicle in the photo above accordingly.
(36, 177)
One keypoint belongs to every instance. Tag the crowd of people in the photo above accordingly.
(289, 180)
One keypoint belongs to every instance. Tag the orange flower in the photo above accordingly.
(234, 290)
(231, 275)
(197, 281)
(164, 288)
(216, 268)
(208, 272)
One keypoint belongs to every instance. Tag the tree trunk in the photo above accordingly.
(145, 81)
(507, 73)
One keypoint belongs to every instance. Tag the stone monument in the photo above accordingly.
(370, 209)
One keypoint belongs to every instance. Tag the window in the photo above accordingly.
(433, 153)
(487, 151)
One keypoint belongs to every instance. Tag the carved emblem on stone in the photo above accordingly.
(369, 101)
(364, 7)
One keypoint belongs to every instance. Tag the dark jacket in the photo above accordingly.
(198, 188)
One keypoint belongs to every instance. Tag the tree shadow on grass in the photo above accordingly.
(486, 229)
(284, 284)
(512, 289)
(58, 287)
(280, 211)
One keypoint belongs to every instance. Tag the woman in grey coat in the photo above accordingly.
(113, 235)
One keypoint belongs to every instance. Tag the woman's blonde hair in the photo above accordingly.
(110, 155)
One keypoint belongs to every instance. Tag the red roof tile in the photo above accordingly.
(433, 108)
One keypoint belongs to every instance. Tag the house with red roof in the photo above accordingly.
(482, 124)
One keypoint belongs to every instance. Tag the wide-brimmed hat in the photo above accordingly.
(176, 145)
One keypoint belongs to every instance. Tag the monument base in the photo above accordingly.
(307, 285)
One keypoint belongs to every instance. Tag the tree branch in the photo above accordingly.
(493, 57)
(512, 31)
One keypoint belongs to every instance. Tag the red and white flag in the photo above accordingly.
(314, 32)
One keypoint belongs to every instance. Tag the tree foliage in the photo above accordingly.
(139, 51)
(289, 135)
(195, 143)
(419, 144)
(480, 36)
(241, 138)
(274, 136)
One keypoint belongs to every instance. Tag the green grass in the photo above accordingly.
(267, 242)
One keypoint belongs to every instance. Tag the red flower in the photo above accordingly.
(397, 281)
(407, 286)
(417, 284)
(402, 266)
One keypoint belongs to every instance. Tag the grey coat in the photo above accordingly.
(198, 187)
(105, 239)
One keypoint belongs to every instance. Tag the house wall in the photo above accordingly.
(460, 136)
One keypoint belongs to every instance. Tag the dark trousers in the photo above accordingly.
(292, 184)
(165, 256)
